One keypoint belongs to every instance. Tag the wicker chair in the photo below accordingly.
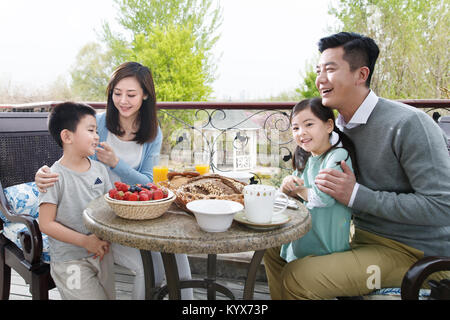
(25, 146)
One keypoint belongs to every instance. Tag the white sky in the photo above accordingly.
(265, 44)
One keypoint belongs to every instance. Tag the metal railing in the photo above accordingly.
(228, 138)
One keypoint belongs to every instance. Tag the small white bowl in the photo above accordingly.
(214, 215)
(242, 176)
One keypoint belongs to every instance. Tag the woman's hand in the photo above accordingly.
(106, 155)
(291, 185)
(44, 178)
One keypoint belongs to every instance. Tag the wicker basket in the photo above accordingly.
(140, 210)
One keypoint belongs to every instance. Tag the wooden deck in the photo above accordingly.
(124, 286)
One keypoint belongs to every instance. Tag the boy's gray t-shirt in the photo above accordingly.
(72, 193)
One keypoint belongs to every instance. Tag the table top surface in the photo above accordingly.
(178, 232)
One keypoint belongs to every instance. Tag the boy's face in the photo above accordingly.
(335, 81)
(85, 139)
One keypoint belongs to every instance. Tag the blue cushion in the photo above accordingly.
(23, 199)
(394, 293)
(11, 231)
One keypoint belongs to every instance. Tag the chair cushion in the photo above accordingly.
(23, 199)
(393, 294)
(11, 231)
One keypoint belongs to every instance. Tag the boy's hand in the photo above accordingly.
(97, 246)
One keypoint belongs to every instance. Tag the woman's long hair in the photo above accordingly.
(147, 117)
(301, 156)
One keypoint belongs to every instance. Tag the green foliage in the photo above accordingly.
(173, 38)
(90, 73)
(413, 36)
(177, 67)
(308, 89)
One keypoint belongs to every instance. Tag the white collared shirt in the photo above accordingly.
(360, 117)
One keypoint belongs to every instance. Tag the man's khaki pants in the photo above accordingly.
(373, 262)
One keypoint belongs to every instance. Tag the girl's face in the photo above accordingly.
(128, 96)
(311, 133)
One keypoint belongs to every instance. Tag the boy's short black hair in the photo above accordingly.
(359, 50)
(67, 115)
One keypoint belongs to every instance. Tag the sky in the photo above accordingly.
(263, 49)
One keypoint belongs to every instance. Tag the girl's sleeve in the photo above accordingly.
(145, 172)
(317, 198)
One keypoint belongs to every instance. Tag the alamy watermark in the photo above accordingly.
(73, 282)
(374, 280)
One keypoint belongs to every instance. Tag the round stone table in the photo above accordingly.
(178, 232)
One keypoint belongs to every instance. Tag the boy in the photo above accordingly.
(80, 264)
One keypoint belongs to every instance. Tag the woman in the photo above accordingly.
(130, 142)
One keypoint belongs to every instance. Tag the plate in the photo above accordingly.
(242, 176)
(277, 221)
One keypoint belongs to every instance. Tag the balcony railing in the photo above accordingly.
(251, 136)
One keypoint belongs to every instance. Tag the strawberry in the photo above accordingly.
(150, 194)
(143, 197)
(126, 196)
(165, 193)
(152, 186)
(119, 195)
(133, 197)
(157, 194)
(112, 193)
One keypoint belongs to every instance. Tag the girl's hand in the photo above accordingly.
(44, 178)
(97, 246)
(291, 184)
(106, 155)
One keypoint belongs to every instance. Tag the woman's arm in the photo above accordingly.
(144, 174)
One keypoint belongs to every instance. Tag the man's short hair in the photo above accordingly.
(67, 115)
(359, 50)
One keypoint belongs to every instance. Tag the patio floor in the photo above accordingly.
(228, 266)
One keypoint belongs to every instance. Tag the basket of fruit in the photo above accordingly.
(139, 202)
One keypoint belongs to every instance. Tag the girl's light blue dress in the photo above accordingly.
(330, 228)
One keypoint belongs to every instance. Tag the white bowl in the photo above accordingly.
(214, 215)
(242, 176)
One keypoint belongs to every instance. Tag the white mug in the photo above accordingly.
(259, 201)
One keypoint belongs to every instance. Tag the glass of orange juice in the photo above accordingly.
(201, 161)
(161, 169)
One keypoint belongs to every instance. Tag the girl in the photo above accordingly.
(320, 144)
(130, 142)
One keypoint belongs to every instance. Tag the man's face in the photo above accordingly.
(335, 81)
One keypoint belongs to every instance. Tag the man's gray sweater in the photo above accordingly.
(404, 167)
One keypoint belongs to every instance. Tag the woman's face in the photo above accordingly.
(128, 96)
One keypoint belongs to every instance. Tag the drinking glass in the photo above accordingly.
(161, 169)
(201, 161)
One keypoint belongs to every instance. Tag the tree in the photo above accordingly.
(174, 39)
(90, 73)
(414, 59)
(308, 89)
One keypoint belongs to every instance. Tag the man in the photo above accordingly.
(401, 201)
